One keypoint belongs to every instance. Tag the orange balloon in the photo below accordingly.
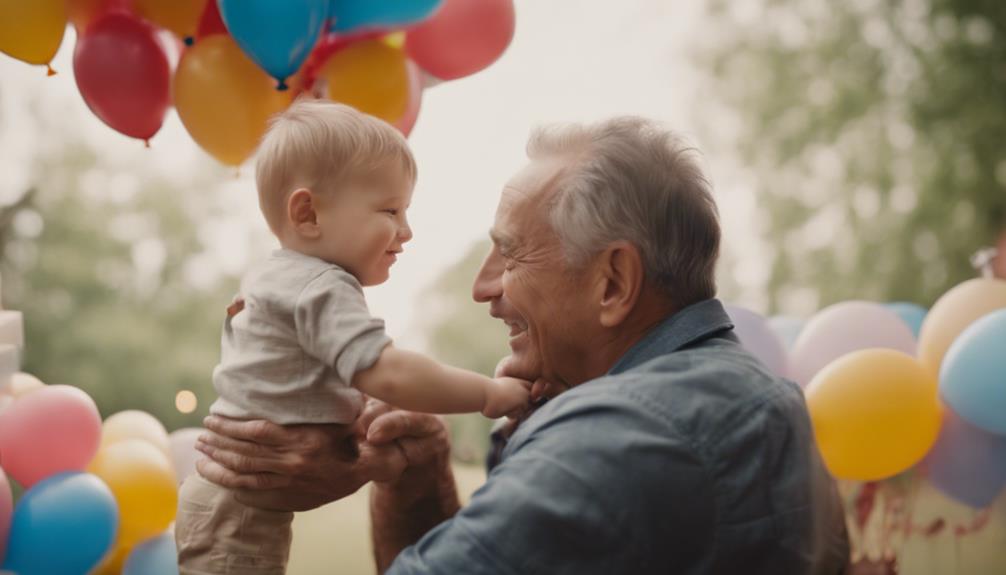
(180, 16)
(953, 313)
(371, 76)
(82, 12)
(224, 99)
(32, 31)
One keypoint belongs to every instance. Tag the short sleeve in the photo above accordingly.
(334, 325)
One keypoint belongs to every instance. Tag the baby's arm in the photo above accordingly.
(417, 383)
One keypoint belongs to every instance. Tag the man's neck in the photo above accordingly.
(650, 311)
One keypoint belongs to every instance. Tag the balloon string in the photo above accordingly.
(146, 143)
(49, 71)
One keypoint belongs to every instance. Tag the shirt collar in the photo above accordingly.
(693, 324)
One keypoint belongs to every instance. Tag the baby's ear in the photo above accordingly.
(300, 211)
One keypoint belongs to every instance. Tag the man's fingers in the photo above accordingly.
(381, 462)
(240, 462)
(248, 448)
(255, 431)
(373, 409)
(396, 424)
(220, 475)
(421, 450)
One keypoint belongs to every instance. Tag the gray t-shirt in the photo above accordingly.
(290, 355)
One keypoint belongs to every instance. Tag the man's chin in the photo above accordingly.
(516, 366)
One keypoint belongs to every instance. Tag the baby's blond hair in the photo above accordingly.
(316, 143)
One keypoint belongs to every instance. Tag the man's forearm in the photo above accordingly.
(404, 510)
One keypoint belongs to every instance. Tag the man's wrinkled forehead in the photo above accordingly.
(526, 196)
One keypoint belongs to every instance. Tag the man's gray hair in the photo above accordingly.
(631, 179)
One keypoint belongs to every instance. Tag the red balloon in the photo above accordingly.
(210, 22)
(461, 38)
(123, 74)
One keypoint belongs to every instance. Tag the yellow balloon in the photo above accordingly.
(224, 99)
(179, 16)
(32, 31)
(953, 313)
(371, 76)
(143, 483)
(875, 413)
(135, 424)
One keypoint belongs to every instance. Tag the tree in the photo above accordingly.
(874, 133)
(103, 279)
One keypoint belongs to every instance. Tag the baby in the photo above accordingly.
(299, 345)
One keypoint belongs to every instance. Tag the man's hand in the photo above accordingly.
(301, 467)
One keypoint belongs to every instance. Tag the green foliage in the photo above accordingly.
(100, 313)
(874, 131)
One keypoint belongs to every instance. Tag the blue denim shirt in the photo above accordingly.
(687, 457)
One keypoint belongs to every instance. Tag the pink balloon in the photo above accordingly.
(54, 429)
(408, 119)
(462, 37)
(844, 328)
(6, 508)
(758, 337)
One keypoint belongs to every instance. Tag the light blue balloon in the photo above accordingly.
(63, 525)
(157, 556)
(787, 328)
(348, 15)
(973, 374)
(277, 34)
(910, 313)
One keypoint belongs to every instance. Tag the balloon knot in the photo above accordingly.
(189, 40)
(282, 87)
(49, 71)
(146, 143)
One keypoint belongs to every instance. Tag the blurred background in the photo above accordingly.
(855, 148)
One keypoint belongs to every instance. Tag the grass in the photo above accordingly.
(336, 538)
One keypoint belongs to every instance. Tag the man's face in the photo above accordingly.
(527, 284)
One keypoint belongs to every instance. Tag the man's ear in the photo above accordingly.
(300, 211)
(621, 274)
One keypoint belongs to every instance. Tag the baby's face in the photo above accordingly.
(363, 224)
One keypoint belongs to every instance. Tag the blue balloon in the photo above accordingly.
(973, 374)
(63, 525)
(277, 34)
(352, 14)
(910, 313)
(157, 556)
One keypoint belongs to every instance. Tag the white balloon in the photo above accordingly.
(183, 451)
(758, 338)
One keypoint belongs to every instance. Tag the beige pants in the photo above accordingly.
(217, 535)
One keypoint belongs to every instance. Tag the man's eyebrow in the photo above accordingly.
(503, 241)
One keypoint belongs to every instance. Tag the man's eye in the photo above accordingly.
(391, 211)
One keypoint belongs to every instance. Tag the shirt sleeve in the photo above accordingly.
(566, 501)
(335, 326)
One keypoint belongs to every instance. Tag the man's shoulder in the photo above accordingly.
(695, 395)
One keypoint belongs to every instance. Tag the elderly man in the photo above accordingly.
(665, 446)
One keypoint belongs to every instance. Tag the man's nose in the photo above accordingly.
(489, 281)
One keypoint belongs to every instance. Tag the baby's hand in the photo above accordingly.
(506, 396)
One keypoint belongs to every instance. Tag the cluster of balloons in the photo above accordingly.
(891, 387)
(98, 497)
(244, 60)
